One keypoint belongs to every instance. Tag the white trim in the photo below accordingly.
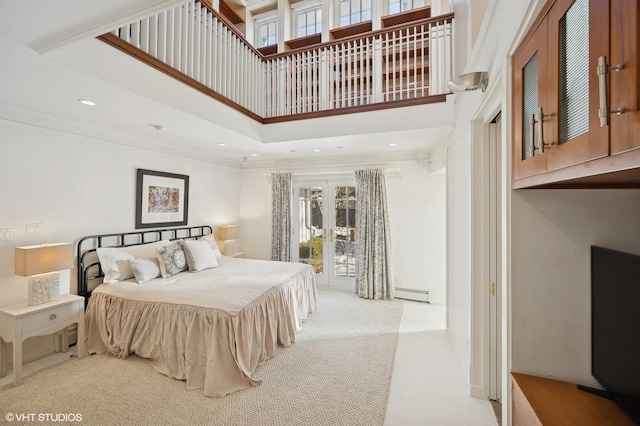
(106, 25)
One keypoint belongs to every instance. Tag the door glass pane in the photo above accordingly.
(529, 104)
(344, 255)
(310, 226)
(574, 71)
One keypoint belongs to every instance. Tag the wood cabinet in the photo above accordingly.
(541, 401)
(577, 64)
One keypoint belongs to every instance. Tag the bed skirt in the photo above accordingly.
(207, 347)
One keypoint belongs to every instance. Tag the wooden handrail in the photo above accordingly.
(433, 20)
(369, 71)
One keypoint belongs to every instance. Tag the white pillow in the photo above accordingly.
(114, 260)
(144, 269)
(199, 255)
(212, 242)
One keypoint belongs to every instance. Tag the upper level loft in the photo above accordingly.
(300, 60)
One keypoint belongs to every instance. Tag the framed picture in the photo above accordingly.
(162, 199)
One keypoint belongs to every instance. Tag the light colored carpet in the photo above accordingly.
(337, 373)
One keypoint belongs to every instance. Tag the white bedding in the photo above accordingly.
(211, 328)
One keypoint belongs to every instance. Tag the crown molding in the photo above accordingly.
(21, 117)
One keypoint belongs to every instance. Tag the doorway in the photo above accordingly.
(495, 306)
(324, 222)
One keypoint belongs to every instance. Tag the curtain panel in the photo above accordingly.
(374, 271)
(281, 217)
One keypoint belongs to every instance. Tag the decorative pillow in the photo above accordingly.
(199, 255)
(214, 245)
(172, 259)
(114, 260)
(144, 269)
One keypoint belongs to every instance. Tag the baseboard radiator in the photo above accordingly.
(412, 294)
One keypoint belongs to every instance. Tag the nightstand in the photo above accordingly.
(19, 322)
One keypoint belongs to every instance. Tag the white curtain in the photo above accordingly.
(374, 272)
(281, 217)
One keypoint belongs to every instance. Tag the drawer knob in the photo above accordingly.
(53, 316)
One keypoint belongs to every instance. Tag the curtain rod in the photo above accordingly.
(387, 171)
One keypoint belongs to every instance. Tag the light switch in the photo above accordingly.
(34, 229)
(6, 234)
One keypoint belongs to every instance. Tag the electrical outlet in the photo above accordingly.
(34, 229)
(6, 234)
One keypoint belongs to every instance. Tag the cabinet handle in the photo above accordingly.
(541, 142)
(538, 119)
(602, 70)
(532, 134)
(52, 317)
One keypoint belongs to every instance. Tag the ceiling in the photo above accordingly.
(50, 59)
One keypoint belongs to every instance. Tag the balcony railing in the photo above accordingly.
(410, 61)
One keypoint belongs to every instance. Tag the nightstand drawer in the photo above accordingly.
(49, 317)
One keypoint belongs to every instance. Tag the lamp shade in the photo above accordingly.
(40, 259)
(229, 232)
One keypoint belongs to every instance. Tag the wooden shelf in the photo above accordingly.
(268, 50)
(552, 402)
(404, 17)
(230, 14)
(351, 30)
(300, 42)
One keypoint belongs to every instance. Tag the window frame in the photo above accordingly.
(304, 8)
(261, 20)
(361, 20)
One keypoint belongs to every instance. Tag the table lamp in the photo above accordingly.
(228, 234)
(41, 264)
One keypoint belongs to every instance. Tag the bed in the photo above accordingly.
(211, 327)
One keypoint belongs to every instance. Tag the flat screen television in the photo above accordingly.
(615, 326)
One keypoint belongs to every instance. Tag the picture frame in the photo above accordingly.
(162, 199)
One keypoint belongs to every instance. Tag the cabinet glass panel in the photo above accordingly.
(530, 104)
(574, 71)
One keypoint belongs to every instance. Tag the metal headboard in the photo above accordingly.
(88, 259)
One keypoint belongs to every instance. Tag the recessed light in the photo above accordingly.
(86, 102)
(158, 127)
(222, 144)
(393, 144)
(254, 155)
(316, 150)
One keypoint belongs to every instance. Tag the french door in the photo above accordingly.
(324, 222)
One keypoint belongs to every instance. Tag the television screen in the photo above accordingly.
(615, 304)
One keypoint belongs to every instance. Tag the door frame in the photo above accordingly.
(327, 182)
(481, 371)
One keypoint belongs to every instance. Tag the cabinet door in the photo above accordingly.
(578, 36)
(529, 95)
(625, 83)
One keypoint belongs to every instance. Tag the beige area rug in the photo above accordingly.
(337, 373)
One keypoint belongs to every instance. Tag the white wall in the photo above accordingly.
(552, 232)
(76, 186)
(417, 216)
(417, 221)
